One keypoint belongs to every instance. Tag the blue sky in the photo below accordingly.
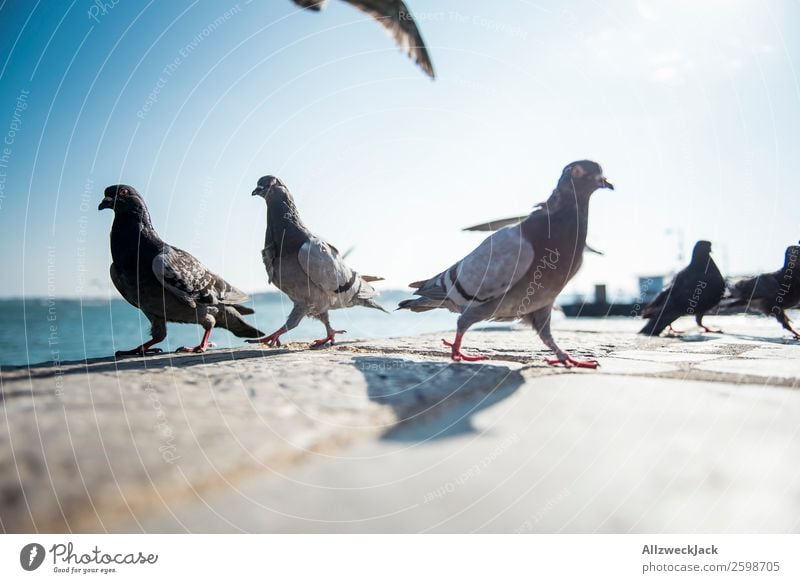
(692, 107)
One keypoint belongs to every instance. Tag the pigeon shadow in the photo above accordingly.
(156, 362)
(785, 340)
(433, 400)
(694, 337)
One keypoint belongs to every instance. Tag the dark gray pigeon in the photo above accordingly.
(166, 283)
(309, 270)
(395, 17)
(517, 272)
(770, 294)
(694, 291)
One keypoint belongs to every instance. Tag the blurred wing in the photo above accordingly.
(312, 4)
(395, 17)
(495, 225)
(185, 277)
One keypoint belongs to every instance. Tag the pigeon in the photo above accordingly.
(695, 290)
(166, 283)
(308, 269)
(395, 17)
(770, 293)
(518, 271)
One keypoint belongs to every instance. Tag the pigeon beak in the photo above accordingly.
(258, 191)
(605, 183)
(106, 203)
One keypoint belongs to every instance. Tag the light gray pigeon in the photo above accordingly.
(309, 270)
(166, 283)
(395, 17)
(518, 271)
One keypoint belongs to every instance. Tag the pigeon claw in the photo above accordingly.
(673, 332)
(712, 330)
(331, 337)
(459, 356)
(273, 339)
(570, 362)
(197, 349)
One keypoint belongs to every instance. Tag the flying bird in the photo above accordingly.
(518, 271)
(395, 17)
(309, 270)
(166, 283)
(695, 290)
(770, 294)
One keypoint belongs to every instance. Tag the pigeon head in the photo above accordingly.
(121, 198)
(792, 257)
(272, 189)
(702, 249)
(583, 177)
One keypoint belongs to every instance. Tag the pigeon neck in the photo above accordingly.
(129, 225)
(700, 258)
(284, 226)
(138, 215)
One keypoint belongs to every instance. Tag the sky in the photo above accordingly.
(692, 107)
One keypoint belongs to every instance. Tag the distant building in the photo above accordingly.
(649, 287)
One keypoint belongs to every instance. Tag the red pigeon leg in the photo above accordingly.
(711, 330)
(330, 333)
(202, 347)
(273, 339)
(541, 323)
(699, 319)
(456, 353)
(331, 337)
(569, 362)
(143, 350)
(673, 331)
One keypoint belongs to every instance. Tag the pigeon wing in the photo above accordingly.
(268, 256)
(324, 267)
(315, 5)
(657, 304)
(764, 286)
(485, 274)
(495, 225)
(123, 286)
(185, 277)
(395, 17)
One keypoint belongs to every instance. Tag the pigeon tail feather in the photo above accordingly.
(655, 326)
(370, 303)
(244, 310)
(233, 322)
(419, 305)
